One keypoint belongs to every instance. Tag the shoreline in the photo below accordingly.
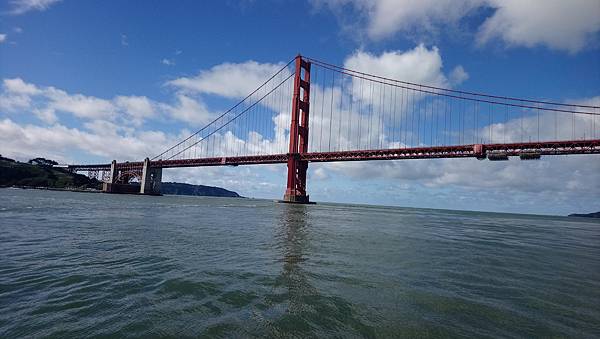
(87, 190)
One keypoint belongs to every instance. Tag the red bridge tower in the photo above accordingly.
(296, 180)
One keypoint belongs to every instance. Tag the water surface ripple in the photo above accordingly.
(77, 264)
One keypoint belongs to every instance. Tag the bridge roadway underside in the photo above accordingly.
(462, 151)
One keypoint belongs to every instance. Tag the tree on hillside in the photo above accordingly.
(42, 162)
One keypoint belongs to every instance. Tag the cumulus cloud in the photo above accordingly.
(59, 142)
(189, 110)
(23, 6)
(505, 177)
(458, 75)
(229, 80)
(20, 96)
(19, 86)
(17, 94)
(562, 25)
(566, 183)
(47, 115)
(2, 38)
(138, 108)
(12, 103)
(384, 18)
(557, 24)
(94, 139)
(79, 105)
(419, 65)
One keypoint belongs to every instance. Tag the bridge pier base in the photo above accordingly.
(296, 199)
(296, 185)
(151, 179)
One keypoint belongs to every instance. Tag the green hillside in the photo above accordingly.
(40, 173)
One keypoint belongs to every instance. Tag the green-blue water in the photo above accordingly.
(77, 264)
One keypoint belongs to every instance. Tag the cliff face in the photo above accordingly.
(199, 190)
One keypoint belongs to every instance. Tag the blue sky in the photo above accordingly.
(74, 70)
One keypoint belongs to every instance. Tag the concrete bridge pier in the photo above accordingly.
(111, 185)
(114, 174)
(151, 179)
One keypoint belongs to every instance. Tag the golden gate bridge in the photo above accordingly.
(313, 111)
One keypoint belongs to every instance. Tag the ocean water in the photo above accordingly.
(82, 264)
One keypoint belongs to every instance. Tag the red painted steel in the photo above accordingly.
(297, 167)
(460, 151)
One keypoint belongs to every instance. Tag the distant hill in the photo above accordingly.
(198, 190)
(39, 172)
(586, 215)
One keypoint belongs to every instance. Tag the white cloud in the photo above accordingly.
(554, 184)
(228, 79)
(19, 86)
(44, 102)
(2, 38)
(24, 6)
(138, 108)
(319, 173)
(557, 24)
(59, 142)
(18, 30)
(80, 105)
(593, 101)
(419, 65)
(167, 62)
(190, 110)
(16, 94)
(124, 41)
(47, 115)
(14, 102)
(384, 18)
(458, 75)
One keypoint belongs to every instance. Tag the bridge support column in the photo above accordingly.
(151, 179)
(113, 172)
(296, 180)
(109, 187)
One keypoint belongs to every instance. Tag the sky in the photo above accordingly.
(92, 81)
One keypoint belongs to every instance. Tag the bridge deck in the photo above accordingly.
(462, 151)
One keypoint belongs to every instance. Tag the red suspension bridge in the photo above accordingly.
(312, 111)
